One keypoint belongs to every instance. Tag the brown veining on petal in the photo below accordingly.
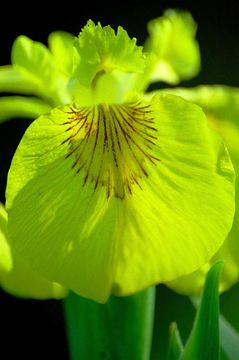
(112, 145)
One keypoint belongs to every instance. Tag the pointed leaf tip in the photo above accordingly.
(204, 342)
(175, 343)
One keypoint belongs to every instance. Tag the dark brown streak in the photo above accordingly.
(108, 187)
(105, 144)
(81, 167)
(93, 153)
(125, 137)
(143, 152)
(70, 121)
(113, 146)
(84, 163)
(102, 130)
(77, 118)
(141, 122)
(105, 131)
(139, 132)
(144, 125)
(140, 148)
(80, 127)
(76, 111)
(85, 139)
(73, 111)
(77, 132)
(96, 183)
(116, 133)
(136, 181)
(129, 188)
(140, 110)
(73, 126)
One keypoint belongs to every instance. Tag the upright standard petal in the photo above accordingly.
(101, 50)
(37, 66)
(61, 46)
(114, 198)
(33, 60)
(174, 53)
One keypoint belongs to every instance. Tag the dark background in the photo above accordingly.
(36, 328)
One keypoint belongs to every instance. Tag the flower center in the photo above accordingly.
(112, 145)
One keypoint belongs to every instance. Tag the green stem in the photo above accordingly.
(121, 329)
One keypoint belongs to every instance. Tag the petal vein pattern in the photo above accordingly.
(112, 145)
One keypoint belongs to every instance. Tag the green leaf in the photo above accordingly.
(175, 343)
(170, 307)
(203, 342)
(173, 50)
(101, 50)
(77, 178)
(229, 310)
(119, 329)
(22, 107)
(229, 338)
(61, 46)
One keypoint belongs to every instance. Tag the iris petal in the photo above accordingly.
(16, 277)
(106, 199)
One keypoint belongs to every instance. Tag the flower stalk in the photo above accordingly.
(120, 329)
